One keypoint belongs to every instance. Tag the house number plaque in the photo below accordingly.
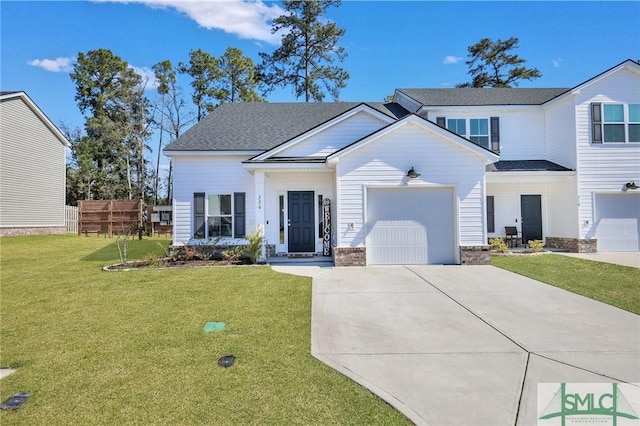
(326, 227)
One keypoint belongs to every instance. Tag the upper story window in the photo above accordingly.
(615, 123)
(478, 129)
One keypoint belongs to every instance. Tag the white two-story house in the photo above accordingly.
(427, 178)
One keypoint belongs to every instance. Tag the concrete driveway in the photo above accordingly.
(460, 345)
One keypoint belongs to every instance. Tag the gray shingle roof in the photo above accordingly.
(526, 166)
(480, 96)
(260, 126)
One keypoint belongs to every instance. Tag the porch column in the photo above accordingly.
(258, 178)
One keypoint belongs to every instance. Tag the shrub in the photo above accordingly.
(233, 254)
(255, 245)
(499, 245)
(535, 246)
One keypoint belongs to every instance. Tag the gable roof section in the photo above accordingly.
(8, 95)
(628, 64)
(428, 125)
(272, 153)
(261, 126)
(482, 96)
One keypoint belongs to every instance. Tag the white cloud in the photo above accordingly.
(246, 19)
(556, 62)
(451, 59)
(60, 64)
(149, 80)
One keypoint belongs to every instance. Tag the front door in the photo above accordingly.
(301, 222)
(530, 207)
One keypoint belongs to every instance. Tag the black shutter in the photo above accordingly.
(441, 121)
(596, 123)
(239, 215)
(495, 134)
(491, 225)
(198, 215)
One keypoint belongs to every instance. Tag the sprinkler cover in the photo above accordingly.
(226, 361)
(213, 326)
(15, 401)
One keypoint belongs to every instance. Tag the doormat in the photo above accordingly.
(15, 401)
(213, 326)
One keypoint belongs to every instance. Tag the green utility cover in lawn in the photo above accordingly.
(213, 326)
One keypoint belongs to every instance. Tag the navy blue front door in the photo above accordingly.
(301, 222)
(531, 210)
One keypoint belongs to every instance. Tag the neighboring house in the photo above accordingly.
(32, 169)
(427, 178)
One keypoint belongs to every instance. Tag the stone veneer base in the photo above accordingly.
(21, 232)
(350, 256)
(574, 245)
(475, 255)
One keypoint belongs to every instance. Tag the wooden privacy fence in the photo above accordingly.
(110, 217)
(71, 219)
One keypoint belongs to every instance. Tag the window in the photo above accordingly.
(615, 123)
(476, 130)
(479, 131)
(219, 216)
(457, 125)
(320, 216)
(281, 205)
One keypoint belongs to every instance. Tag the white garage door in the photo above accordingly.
(410, 226)
(617, 218)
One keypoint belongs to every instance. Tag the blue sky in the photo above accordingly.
(394, 44)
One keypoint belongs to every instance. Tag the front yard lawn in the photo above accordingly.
(612, 284)
(96, 347)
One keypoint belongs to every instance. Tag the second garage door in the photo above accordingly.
(617, 218)
(410, 226)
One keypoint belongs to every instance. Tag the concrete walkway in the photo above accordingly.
(461, 345)
(627, 258)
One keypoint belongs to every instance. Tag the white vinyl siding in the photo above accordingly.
(557, 195)
(335, 137)
(560, 123)
(385, 161)
(209, 175)
(522, 135)
(32, 169)
(606, 167)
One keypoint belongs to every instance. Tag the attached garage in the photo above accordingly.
(410, 226)
(617, 222)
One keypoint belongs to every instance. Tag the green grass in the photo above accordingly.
(612, 284)
(98, 347)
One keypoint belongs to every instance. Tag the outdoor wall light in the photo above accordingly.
(631, 185)
(412, 174)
